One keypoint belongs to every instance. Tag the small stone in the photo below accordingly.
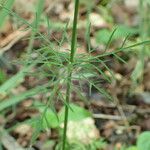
(97, 21)
(23, 129)
(83, 131)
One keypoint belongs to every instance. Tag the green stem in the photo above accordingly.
(36, 23)
(143, 7)
(74, 32)
(70, 69)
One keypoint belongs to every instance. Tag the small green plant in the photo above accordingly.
(70, 70)
(143, 142)
(59, 69)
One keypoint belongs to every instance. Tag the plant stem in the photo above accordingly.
(36, 22)
(70, 69)
(144, 31)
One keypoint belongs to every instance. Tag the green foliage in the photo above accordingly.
(50, 118)
(21, 97)
(61, 69)
(143, 142)
(95, 145)
(136, 74)
(2, 77)
(3, 13)
(144, 51)
(76, 113)
(14, 81)
(132, 148)
(121, 31)
(104, 2)
(70, 69)
(88, 3)
(36, 22)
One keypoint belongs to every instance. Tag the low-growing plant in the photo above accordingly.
(60, 69)
(142, 143)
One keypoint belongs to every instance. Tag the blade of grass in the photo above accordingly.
(19, 98)
(36, 22)
(3, 13)
(122, 49)
(110, 39)
(13, 81)
(29, 25)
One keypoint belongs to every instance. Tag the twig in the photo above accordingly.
(121, 111)
(112, 117)
(129, 108)
(109, 117)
